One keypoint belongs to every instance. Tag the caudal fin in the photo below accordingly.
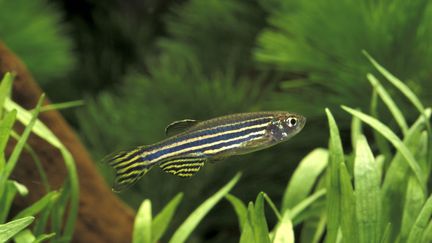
(129, 166)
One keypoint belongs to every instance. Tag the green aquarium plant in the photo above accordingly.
(34, 31)
(51, 217)
(368, 195)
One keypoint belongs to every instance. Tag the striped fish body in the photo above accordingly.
(186, 152)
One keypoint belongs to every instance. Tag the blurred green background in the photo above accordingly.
(139, 65)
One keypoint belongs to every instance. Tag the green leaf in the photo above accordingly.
(284, 230)
(381, 142)
(239, 208)
(43, 237)
(25, 236)
(13, 159)
(348, 206)
(395, 181)
(414, 200)
(162, 220)
(185, 229)
(386, 235)
(304, 204)
(143, 224)
(9, 192)
(247, 235)
(12, 228)
(21, 189)
(259, 222)
(387, 133)
(38, 128)
(336, 157)
(73, 188)
(313, 229)
(272, 205)
(421, 222)
(401, 86)
(368, 195)
(62, 106)
(6, 125)
(41, 223)
(410, 95)
(39, 205)
(391, 105)
(304, 178)
(5, 89)
(356, 130)
(427, 235)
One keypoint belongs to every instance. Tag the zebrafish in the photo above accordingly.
(192, 143)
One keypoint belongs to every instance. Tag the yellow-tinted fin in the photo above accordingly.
(179, 126)
(183, 167)
(130, 166)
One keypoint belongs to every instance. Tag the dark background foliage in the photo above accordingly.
(140, 65)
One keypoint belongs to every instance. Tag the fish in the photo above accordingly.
(191, 144)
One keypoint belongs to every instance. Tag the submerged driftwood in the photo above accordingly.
(102, 217)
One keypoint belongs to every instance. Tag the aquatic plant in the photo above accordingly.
(34, 30)
(374, 194)
(53, 215)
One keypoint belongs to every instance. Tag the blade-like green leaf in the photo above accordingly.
(62, 106)
(381, 142)
(410, 95)
(185, 229)
(272, 206)
(387, 133)
(239, 208)
(385, 238)
(356, 130)
(5, 88)
(6, 125)
(39, 205)
(304, 178)
(336, 157)
(313, 229)
(12, 228)
(391, 105)
(284, 230)
(6, 200)
(10, 190)
(20, 145)
(73, 188)
(401, 86)
(421, 222)
(43, 237)
(427, 234)
(247, 235)
(25, 236)
(143, 223)
(21, 189)
(395, 181)
(414, 200)
(368, 196)
(259, 222)
(162, 220)
(40, 224)
(348, 206)
(304, 204)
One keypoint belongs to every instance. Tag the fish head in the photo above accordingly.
(285, 125)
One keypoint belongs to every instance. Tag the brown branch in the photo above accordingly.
(102, 217)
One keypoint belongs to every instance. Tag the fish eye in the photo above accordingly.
(292, 121)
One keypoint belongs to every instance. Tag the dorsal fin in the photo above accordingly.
(179, 126)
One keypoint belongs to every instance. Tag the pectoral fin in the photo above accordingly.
(179, 126)
(183, 167)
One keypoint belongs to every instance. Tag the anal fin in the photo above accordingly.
(183, 167)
